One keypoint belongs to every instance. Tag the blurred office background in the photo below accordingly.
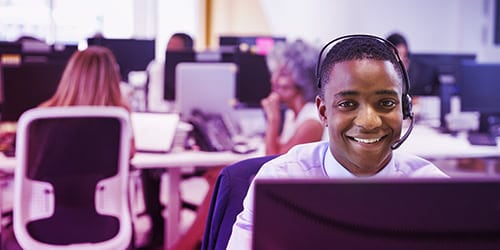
(469, 27)
(446, 26)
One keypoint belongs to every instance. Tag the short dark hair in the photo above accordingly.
(187, 39)
(397, 39)
(357, 48)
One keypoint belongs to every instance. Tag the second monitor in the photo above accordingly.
(131, 54)
(377, 214)
(478, 90)
(252, 77)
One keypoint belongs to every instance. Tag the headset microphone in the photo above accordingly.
(405, 136)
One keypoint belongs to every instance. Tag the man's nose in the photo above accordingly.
(368, 118)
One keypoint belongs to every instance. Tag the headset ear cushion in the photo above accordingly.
(407, 106)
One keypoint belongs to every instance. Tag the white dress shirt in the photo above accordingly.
(314, 160)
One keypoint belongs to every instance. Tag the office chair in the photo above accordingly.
(227, 201)
(71, 179)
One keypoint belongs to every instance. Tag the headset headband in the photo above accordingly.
(406, 98)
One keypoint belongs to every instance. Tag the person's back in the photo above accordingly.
(91, 78)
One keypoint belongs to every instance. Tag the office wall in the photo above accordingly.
(177, 16)
(454, 26)
(445, 25)
(238, 17)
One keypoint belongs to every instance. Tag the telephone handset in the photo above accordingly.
(210, 132)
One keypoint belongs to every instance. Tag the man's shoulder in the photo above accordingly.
(302, 159)
(417, 166)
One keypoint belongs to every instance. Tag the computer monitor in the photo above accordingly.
(253, 81)
(260, 45)
(14, 53)
(7, 47)
(425, 71)
(27, 85)
(58, 54)
(252, 78)
(131, 54)
(478, 91)
(62, 52)
(172, 59)
(389, 214)
(10, 53)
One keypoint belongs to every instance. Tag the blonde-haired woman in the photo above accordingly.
(91, 78)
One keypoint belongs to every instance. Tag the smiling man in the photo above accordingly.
(362, 103)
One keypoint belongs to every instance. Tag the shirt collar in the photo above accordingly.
(334, 169)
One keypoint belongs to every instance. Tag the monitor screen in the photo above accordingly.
(479, 87)
(253, 81)
(27, 85)
(12, 53)
(478, 90)
(62, 52)
(57, 54)
(384, 214)
(10, 47)
(131, 54)
(425, 70)
(252, 78)
(172, 58)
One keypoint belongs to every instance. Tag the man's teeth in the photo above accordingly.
(368, 141)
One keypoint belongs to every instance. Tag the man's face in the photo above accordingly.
(362, 108)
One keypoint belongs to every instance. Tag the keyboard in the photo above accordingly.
(481, 139)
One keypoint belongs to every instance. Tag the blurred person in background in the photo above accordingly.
(292, 66)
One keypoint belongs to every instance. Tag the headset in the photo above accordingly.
(405, 99)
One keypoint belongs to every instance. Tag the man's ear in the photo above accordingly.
(320, 105)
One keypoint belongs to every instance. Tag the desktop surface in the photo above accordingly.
(377, 214)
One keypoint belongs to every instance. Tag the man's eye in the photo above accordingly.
(388, 103)
(347, 104)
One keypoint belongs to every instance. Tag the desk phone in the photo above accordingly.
(210, 131)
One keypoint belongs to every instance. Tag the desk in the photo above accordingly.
(174, 163)
(428, 143)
